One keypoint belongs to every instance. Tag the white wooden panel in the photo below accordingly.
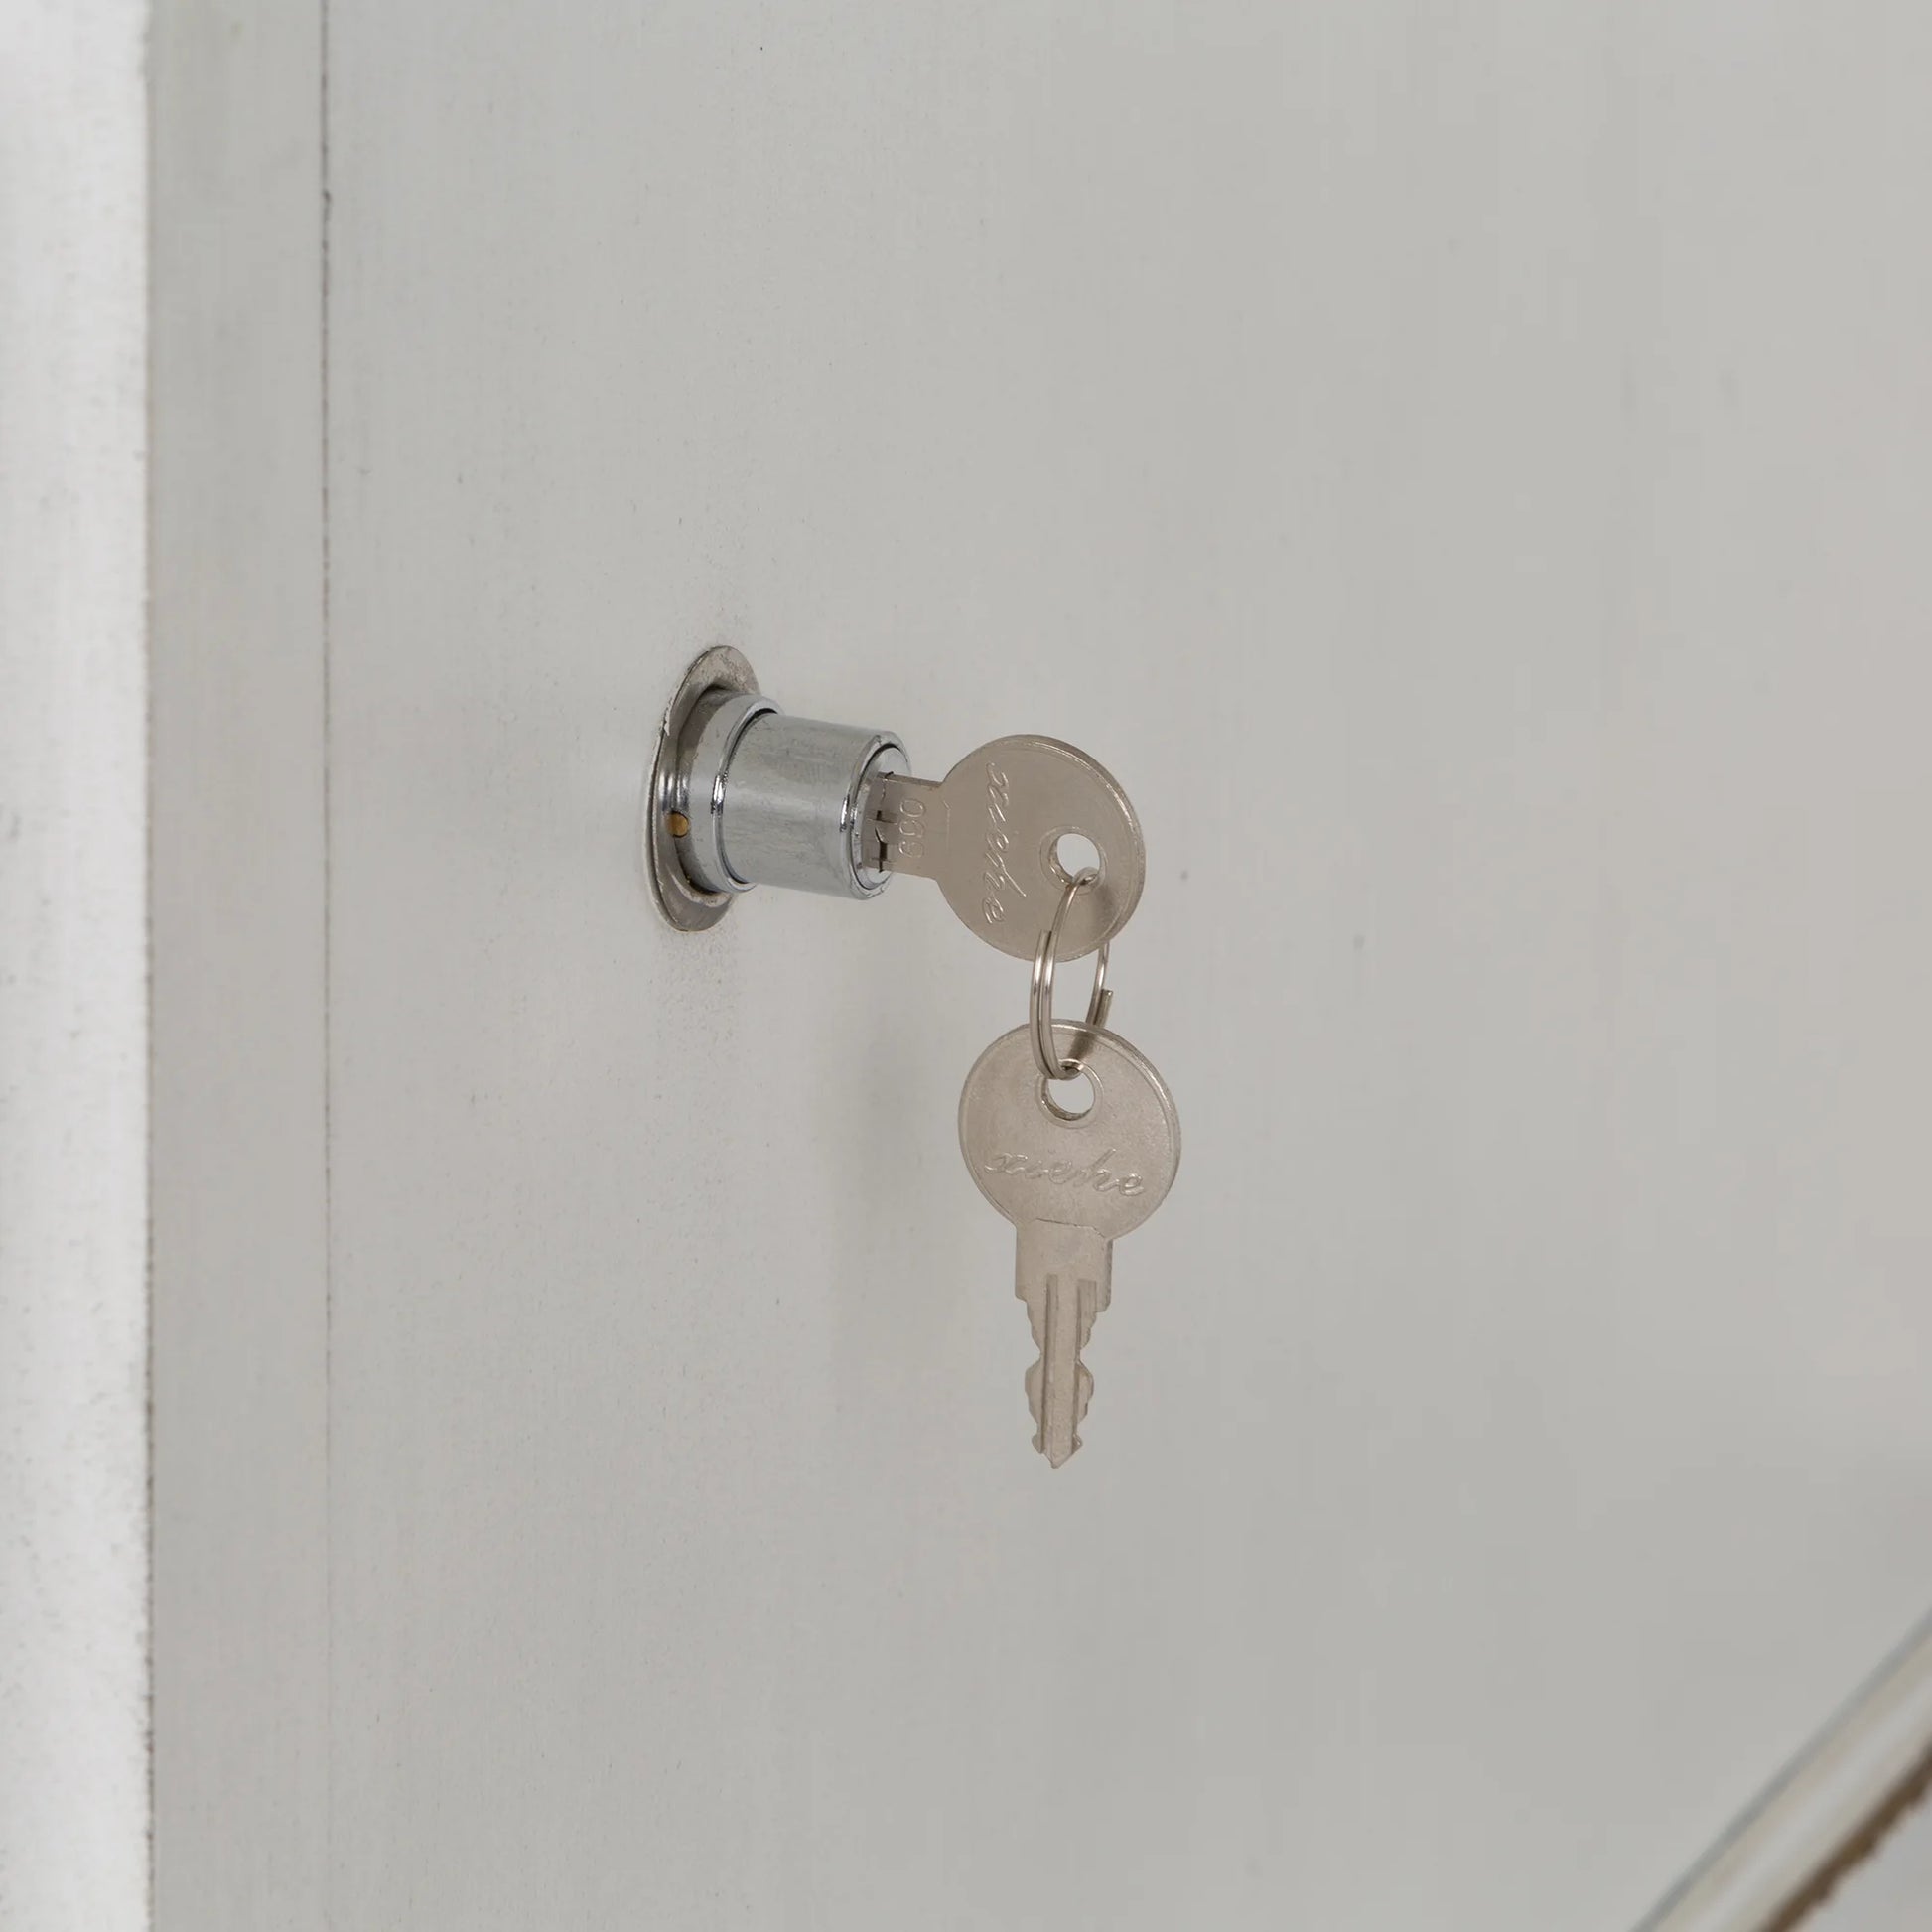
(73, 960)
(240, 1338)
(1466, 474)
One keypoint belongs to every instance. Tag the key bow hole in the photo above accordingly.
(1075, 1100)
(1071, 854)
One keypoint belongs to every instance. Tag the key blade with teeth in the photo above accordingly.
(1064, 1275)
(1071, 1187)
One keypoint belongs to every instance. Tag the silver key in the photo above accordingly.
(987, 833)
(1072, 1187)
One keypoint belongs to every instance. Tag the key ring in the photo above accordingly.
(1045, 962)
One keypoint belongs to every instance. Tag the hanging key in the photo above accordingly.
(1072, 1185)
(989, 832)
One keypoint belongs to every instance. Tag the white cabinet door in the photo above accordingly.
(1465, 476)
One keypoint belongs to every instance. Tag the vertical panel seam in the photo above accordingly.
(150, 159)
(328, 1033)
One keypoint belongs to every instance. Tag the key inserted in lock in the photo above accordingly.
(768, 799)
(743, 794)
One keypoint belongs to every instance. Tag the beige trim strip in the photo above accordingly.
(1822, 1814)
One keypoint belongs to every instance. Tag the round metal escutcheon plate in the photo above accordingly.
(686, 906)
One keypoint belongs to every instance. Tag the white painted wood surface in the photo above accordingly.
(73, 1037)
(1467, 476)
(1532, 413)
(240, 1345)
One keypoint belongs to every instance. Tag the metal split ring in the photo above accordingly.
(1045, 960)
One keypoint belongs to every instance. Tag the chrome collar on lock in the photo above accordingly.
(744, 795)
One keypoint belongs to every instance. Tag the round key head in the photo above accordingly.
(1007, 805)
(1107, 1169)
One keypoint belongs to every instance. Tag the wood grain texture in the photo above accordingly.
(1464, 474)
(240, 1338)
(74, 964)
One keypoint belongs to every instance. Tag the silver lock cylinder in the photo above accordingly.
(738, 795)
(768, 799)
